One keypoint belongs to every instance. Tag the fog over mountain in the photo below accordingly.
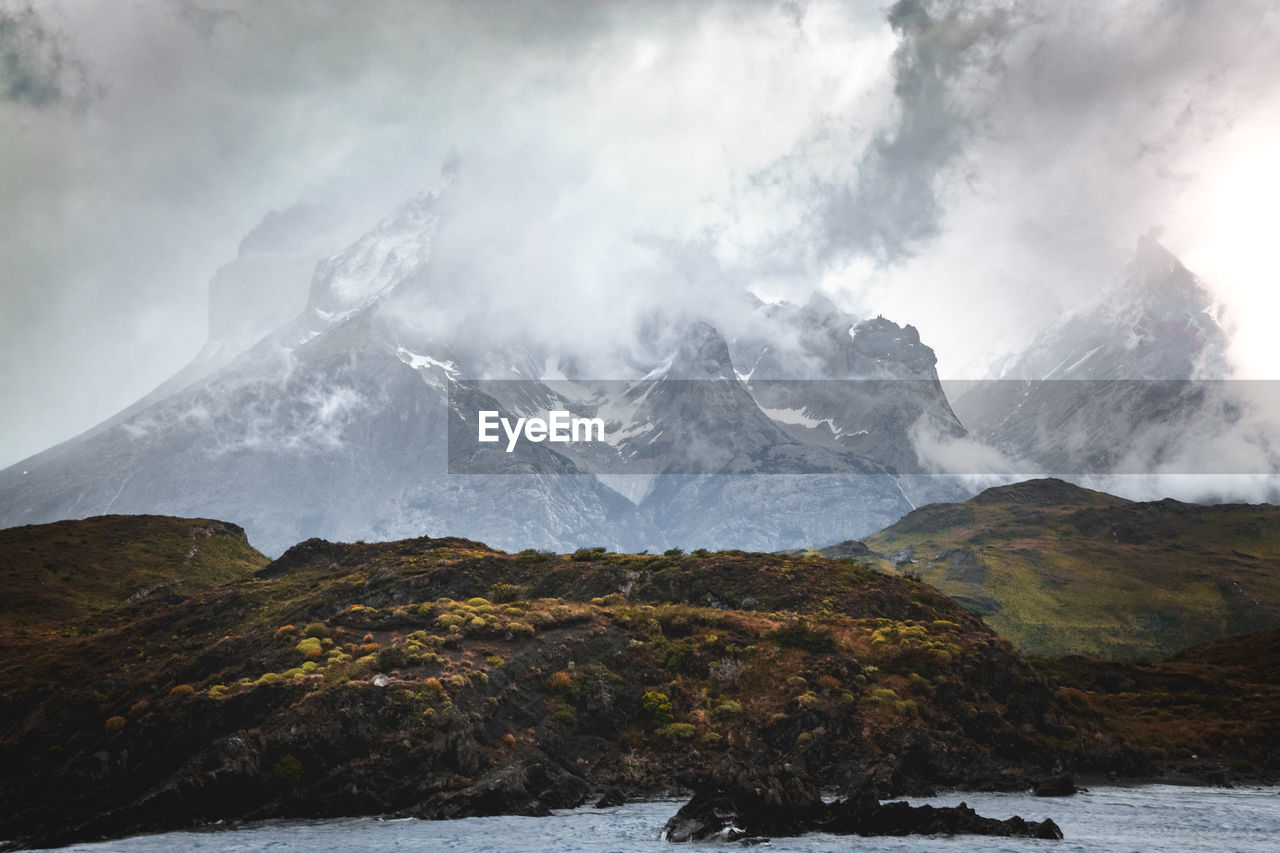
(228, 223)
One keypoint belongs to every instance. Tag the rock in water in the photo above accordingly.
(1061, 785)
(747, 815)
(900, 818)
(611, 798)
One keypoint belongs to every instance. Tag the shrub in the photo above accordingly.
(713, 739)
(678, 731)
(827, 682)
(183, 690)
(285, 629)
(217, 690)
(656, 705)
(799, 635)
(390, 658)
(269, 678)
(673, 552)
(494, 660)
(114, 724)
(505, 593)
(726, 710)
(566, 715)
(315, 629)
(477, 602)
(560, 683)
(808, 699)
(138, 707)
(288, 770)
(309, 645)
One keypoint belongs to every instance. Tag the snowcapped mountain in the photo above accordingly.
(1121, 376)
(344, 420)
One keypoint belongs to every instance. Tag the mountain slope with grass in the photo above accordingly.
(442, 678)
(1059, 569)
(79, 575)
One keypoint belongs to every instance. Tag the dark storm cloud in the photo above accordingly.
(892, 207)
(35, 66)
(927, 161)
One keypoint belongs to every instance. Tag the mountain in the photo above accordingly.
(1059, 569)
(355, 419)
(442, 678)
(1116, 387)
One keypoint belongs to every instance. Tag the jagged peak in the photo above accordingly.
(1163, 282)
(380, 259)
(702, 353)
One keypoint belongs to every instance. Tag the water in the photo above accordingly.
(1105, 820)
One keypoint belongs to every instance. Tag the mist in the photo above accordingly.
(972, 169)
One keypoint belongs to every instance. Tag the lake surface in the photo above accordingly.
(1112, 820)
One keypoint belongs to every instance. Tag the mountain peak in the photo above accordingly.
(703, 353)
(382, 258)
(1162, 283)
(1047, 491)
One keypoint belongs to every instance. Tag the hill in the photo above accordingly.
(440, 677)
(66, 576)
(1207, 713)
(1063, 570)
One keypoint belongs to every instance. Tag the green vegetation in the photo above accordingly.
(67, 576)
(1063, 570)
(436, 674)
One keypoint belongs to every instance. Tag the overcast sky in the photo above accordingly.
(973, 169)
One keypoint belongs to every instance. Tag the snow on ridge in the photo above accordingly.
(797, 417)
(426, 362)
(400, 244)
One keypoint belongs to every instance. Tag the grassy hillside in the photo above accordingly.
(65, 576)
(1206, 712)
(438, 677)
(1063, 570)
(441, 678)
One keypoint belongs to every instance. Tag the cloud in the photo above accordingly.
(36, 67)
(891, 207)
(972, 169)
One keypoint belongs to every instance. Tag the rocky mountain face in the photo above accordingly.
(1114, 388)
(340, 422)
